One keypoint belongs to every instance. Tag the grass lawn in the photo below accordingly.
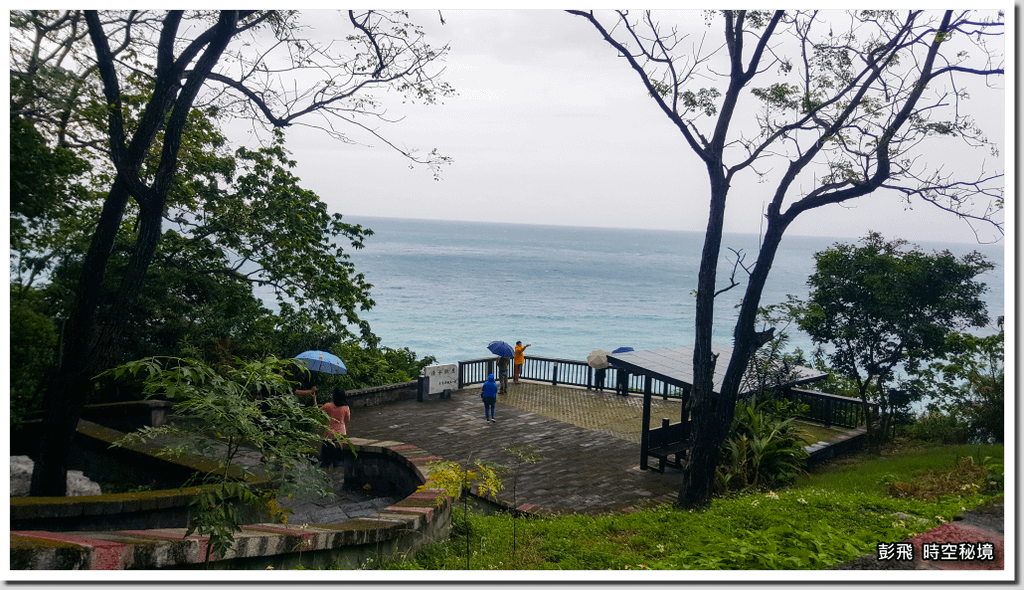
(838, 513)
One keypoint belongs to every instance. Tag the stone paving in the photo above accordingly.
(589, 443)
(343, 506)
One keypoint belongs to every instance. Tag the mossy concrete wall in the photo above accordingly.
(395, 531)
(378, 396)
(102, 424)
(146, 530)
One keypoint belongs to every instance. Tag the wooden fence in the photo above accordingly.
(829, 410)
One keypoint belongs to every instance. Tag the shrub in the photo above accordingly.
(966, 477)
(937, 427)
(457, 481)
(764, 448)
(221, 412)
(33, 342)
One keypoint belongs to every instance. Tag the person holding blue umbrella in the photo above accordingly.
(503, 374)
(621, 387)
(320, 362)
(331, 453)
(504, 352)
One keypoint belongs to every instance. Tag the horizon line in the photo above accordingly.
(1001, 242)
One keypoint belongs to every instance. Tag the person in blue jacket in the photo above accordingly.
(490, 397)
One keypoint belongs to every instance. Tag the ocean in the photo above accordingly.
(448, 288)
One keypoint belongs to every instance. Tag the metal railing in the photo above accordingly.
(824, 408)
(546, 370)
(564, 372)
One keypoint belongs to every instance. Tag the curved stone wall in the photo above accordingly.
(398, 529)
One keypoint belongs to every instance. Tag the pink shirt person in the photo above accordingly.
(331, 451)
(340, 416)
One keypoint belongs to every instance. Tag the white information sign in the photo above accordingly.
(442, 377)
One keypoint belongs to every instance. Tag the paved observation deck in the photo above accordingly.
(589, 443)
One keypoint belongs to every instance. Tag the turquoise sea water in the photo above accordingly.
(448, 288)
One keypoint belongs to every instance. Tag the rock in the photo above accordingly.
(21, 475)
(21, 479)
(905, 516)
(80, 485)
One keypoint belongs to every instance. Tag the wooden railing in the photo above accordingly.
(829, 409)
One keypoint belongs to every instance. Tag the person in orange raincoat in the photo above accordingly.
(518, 360)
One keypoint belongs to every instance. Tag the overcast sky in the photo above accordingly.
(550, 127)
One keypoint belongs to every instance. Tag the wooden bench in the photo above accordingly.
(668, 441)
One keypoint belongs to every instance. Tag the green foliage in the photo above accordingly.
(840, 513)
(179, 312)
(765, 448)
(779, 95)
(968, 384)
(61, 66)
(881, 306)
(32, 345)
(235, 223)
(836, 382)
(966, 476)
(937, 427)
(288, 240)
(224, 413)
(703, 100)
(995, 469)
(771, 366)
(523, 454)
(43, 179)
(46, 200)
(370, 365)
(457, 481)
(869, 474)
(240, 226)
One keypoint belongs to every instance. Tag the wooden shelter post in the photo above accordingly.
(645, 433)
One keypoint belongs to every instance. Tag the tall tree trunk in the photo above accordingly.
(869, 422)
(699, 472)
(78, 362)
(713, 418)
(93, 332)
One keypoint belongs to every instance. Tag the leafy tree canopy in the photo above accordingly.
(882, 305)
(238, 230)
(79, 73)
(968, 383)
(32, 345)
(237, 226)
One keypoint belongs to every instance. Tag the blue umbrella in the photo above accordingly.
(621, 349)
(322, 362)
(501, 349)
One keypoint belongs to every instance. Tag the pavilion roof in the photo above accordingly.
(675, 366)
